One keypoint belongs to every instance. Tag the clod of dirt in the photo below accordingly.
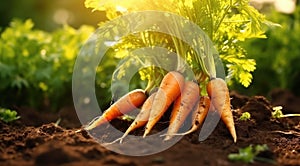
(237, 100)
(114, 160)
(259, 108)
(158, 160)
(93, 153)
(51, 129)
(290, 155)
(54, 153)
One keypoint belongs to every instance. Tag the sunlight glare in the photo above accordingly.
(121, 8)
(285, 6)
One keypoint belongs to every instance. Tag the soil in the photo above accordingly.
(36, 139)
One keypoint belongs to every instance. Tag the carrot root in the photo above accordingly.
(125, 104)
(219, 95)
(141, 119)
(169, 89)
(97, 121)
(199, 115)
(183, 105)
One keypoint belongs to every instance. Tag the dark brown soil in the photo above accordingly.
(35, 139)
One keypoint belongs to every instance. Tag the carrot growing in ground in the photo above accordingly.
(141, 119)
(183, 105)
(219, 95)
(199, 114)
(169, 89)
(125, 104)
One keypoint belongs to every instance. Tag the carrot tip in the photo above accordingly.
(88, 128)
(145, 134)
(234, 139)
(167, 138)
(119, 139)
(79, 130)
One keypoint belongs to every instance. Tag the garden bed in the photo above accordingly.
(35, 139)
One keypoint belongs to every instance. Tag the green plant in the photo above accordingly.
(277, 113)
(249, 154)
(7, 115)
(227, 23)
(245, 116)
(36, 66)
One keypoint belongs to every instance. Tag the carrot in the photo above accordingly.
(141, 119)
(199, 114)
(183, 105)
(219, 95)
(169, 89)
(125, 104)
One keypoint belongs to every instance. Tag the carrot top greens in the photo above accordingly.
(227, 24)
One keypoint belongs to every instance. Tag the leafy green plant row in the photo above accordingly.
(36, 66)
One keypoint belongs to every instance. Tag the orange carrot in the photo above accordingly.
(169, 89)
(141, 119)
(125, 104)
(183, 105)
(219, 95)
(199, 114)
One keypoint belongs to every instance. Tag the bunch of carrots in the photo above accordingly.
(185, 97)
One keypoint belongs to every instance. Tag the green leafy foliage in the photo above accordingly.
(227, 23)
(249, 154)
(7, 115)
(277, 56)
(36, 66)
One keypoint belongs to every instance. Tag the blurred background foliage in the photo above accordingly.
(38, 46)
(49, 14)
(60, 22)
